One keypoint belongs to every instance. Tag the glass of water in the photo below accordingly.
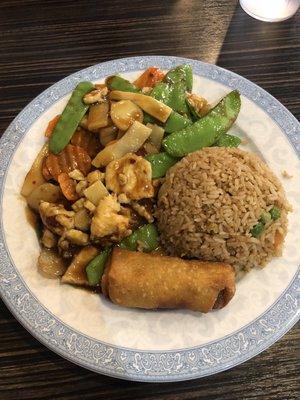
(270, 10)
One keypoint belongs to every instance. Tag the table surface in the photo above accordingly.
(44, 41)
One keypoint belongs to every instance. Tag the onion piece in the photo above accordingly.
(124, 113)
(34, 177)
(152, 106)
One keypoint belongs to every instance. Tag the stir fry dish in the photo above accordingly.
(95, 185)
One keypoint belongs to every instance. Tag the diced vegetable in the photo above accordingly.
(133, 139)
(76, 272)
(95, 268)
(51, 125)
(144, 238)
(108, 134)
(257, 230)
(207, 130)
(34, 177)
(228, 141)
(275, 213)
(181, 73)
(176, 122)
(160, 164)
(70, 118)
(156, 136)
(46, 192)
(147, 103)
(98, 116)
(149, 78)
(123, 113)
(116, 82)
(95, 192)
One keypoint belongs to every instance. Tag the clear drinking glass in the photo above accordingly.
(270, 10)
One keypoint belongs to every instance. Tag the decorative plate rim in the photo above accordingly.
(130, 364)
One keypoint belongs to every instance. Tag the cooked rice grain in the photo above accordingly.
(210, 201)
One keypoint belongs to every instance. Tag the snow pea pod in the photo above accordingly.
(161, 92)
(70, 118)
(228, 141)
(116, 82)
(181, 73)
(95, 268)
(207, 130)
(160, 164)
(146, 237)
(177, 99)
(176, 122)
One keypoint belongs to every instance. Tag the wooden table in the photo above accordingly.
(42, 42)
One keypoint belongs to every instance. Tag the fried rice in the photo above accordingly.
(211, 200)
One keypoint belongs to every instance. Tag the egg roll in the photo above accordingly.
(152, 281)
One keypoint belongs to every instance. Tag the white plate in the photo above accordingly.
(151, 345)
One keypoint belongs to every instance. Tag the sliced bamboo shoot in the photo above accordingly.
(153, 107)
(75, 273)
(156, 136)
(133, 139)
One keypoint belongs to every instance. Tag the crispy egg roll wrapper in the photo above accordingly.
(151, 281)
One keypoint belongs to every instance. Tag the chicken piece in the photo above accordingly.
(56, 218)
(48, 239)
(76, 237)
(131, 175)
(108, 222)
(142, 211)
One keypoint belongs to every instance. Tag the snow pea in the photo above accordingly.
(95, 268)
(173, 95)
(160, 164)
(146, 236)
(176, 122)
(70, 118)
(177, 100)
(207, 130)
(116, 82)
(181, 73)
(161, 92)
(228, 141)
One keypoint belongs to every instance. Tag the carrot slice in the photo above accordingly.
(51, 126)
(70, 158)
(87, 140)
(68, 186)
(149, 78)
